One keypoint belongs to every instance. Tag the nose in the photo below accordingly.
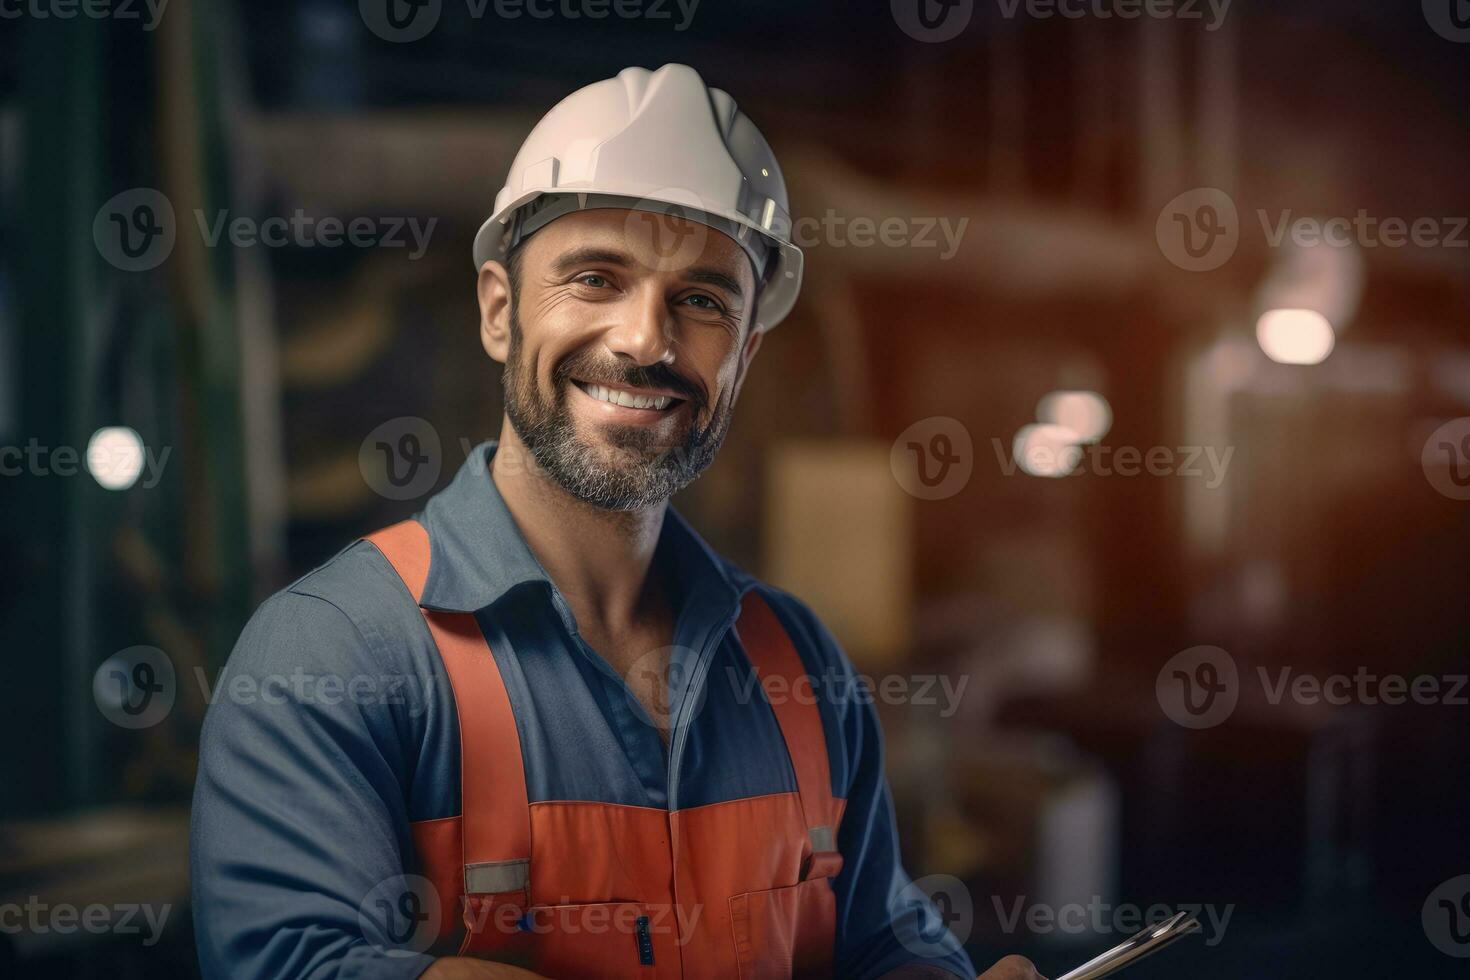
(644, 329)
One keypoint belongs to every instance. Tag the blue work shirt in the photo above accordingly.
(333, 728)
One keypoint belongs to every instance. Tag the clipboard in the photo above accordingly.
(1135, 948)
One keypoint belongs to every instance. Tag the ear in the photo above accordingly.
(493, 289)
(747, 354)
(752, 344)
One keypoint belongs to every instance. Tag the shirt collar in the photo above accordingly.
(478, 553)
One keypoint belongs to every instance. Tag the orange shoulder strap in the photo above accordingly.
(496, 817)
(772, 654)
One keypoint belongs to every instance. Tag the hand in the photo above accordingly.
(1012, 968)
(466, 968)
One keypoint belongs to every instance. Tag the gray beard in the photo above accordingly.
(632, 473)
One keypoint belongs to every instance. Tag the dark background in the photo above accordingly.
(1326, 548)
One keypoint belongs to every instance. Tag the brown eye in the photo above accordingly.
(703, 302)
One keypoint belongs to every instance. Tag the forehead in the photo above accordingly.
(653, 242)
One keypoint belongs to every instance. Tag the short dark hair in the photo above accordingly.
(513, 272)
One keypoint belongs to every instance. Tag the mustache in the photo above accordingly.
(587, 366)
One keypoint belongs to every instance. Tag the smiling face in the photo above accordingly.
(623, 359)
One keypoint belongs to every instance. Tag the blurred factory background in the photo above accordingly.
(1073, 390)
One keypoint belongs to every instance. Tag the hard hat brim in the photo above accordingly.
(783, 282)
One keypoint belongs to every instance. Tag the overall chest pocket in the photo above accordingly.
(788, 931)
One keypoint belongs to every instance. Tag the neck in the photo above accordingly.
(598, 558)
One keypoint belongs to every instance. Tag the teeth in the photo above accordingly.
(627, 398)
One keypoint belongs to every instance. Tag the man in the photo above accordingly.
(601, 760)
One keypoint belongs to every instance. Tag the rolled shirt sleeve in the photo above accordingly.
(300, 822)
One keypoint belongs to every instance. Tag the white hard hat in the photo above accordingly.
(654, 141)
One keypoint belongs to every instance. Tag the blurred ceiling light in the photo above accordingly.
(115, 457)
(1295, 336)
(1084, 412)
(1045, 449)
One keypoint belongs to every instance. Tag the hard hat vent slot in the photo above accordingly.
(542, 173)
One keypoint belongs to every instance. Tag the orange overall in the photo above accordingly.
(572, 888)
